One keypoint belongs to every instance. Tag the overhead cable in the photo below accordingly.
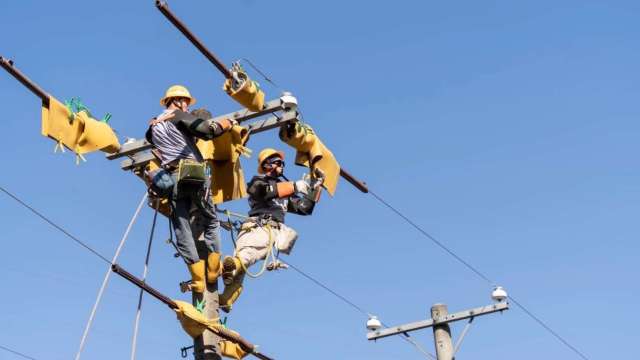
(60, 228)
(16, 353)
(478, 273)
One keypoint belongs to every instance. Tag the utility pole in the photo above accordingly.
(440, 320)
(442, 333)
(206, 347)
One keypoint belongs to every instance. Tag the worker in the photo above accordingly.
(270, 198)
(185, 180)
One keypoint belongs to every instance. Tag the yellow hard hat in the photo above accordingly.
(265, 154)
(177, 91)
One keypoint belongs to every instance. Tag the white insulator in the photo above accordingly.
(499, 294)
(373, 324)
(289, 101)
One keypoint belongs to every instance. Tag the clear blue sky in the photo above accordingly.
(509, 130)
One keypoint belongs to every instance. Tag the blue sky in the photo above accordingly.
(506, 129)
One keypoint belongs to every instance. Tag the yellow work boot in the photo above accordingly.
(197, 284)
(213, 267)
(231, 266)
(231, 294)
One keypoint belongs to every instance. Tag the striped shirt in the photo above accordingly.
(172, 143)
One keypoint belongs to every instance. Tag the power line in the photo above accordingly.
(16, 353)
(479, 273)
(435, 241)
(406, 337)
(60, 228)
(549, 329)
(317, 282)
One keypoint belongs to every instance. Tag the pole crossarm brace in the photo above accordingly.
(462, 315)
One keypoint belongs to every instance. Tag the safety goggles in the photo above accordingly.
(275, 162)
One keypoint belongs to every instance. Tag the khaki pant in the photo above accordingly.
(253, 241)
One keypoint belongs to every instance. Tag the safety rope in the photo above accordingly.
(108, 275)
(271, 244)
(134, 340)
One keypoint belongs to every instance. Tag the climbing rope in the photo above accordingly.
(108, 275)
(134, 339)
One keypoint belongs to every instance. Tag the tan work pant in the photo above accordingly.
(253, 241)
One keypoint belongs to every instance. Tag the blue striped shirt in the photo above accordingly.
(172, 143)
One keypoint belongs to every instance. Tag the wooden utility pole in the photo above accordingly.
(442, 333)
(440, 319)
(206, 347)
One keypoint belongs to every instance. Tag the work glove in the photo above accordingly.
(318, 179)
(302, 186)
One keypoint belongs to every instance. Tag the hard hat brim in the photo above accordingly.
(192, 100)
(277, 152)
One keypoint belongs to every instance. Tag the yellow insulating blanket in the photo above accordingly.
(82, 134)
(223, 154)
(195, 323)
(311, 152)
(248, 95)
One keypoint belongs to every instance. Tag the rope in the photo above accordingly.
(107, 275)
(16, 353)
(134, 340)
(270, 246)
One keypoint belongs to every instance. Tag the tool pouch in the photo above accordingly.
(191, 172)
(286, 238)
(161, 182)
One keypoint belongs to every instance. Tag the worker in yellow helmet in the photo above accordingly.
(271, 196)
(184, 178)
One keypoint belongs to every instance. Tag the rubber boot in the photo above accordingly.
(231, 293)
(197, 277)
(213, 267)
(231, 266)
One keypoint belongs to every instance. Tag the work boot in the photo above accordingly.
(196, 284)
(213, 267)
(231, 293)
(231, 266)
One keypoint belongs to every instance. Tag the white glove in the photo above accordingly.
(302, 186)
(318, 180)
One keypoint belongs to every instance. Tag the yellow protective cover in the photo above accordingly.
(195, 323)
(231, 350)
(81, 135)
(312, 153)
(223, 154)
(57, 125)
(96, 135)
(248, 95)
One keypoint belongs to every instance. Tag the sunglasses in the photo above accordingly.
(277, 162)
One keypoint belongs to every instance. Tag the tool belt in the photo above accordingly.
(258, 222)
(192, 172)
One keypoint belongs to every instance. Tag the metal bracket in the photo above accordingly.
(462, 335)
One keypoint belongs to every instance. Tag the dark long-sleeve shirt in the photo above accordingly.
(264, 200)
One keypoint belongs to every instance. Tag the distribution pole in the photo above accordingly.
(440, 319)
(442, 333)
(206, 347)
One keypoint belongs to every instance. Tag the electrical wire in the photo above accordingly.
(406, 337)
(478, 273)
(16, 353)
(60, 228)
